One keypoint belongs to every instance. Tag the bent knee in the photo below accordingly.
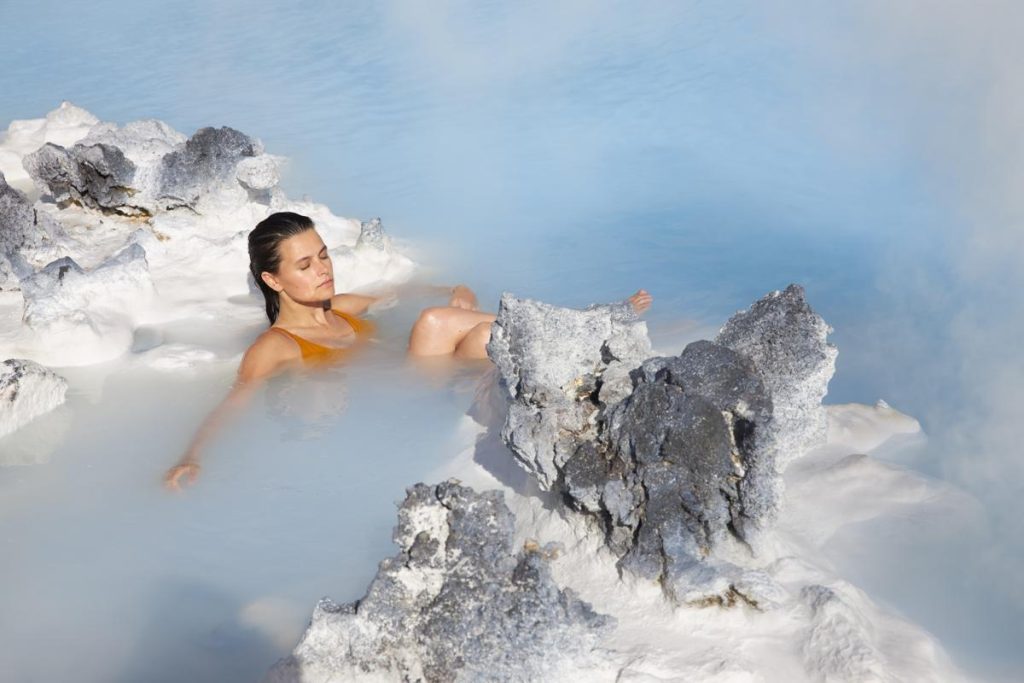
(431, 318)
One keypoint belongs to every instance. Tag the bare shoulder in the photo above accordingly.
(353, 304)
(269, 353)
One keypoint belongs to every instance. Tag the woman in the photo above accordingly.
(310, 324)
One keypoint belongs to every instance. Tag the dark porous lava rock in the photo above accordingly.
(458, 603)
(98, 176)
(207, 159)
(21, 228)
(677, 458)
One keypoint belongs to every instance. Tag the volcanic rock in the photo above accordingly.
(27, 390)
(458, 603)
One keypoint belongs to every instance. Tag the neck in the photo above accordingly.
(303, 313)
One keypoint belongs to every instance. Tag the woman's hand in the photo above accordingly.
(188, 468)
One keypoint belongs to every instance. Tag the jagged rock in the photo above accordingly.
(21, 228)
(372, 236)
(259, 173)
(145, 142)
(560, 366)
(145, 167)
(17, 221)
(27, 390)
(98, 176)
(456, 604)
(677, 458)
(63, 289)
(788, 343)
(686, 445)
(207, 160)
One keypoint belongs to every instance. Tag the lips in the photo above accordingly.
(329, 281)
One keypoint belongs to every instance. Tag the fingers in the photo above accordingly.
(172, 479)
(641, 300)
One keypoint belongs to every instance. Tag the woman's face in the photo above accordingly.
(306, 273)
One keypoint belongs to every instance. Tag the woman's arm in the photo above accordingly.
(357, 304)
(264, 358)
(354, 304)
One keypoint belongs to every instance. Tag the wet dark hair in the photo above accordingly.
(264, 255)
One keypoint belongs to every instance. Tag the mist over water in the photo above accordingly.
(707, 153)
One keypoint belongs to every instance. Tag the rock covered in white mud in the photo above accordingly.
(677, 459)
(106, 190)
(839, 645)
(373, 253)
(20, 228)
(146, 167)
(63, 289)
(788, 343)
(560, 366)
(685, 466)
(27, 390)
(209, 159)
(458, 603)
(98, 176)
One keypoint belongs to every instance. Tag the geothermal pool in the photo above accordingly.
(562, 153)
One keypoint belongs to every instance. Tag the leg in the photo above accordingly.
(463, 297)
(474, 344)
(439, 331)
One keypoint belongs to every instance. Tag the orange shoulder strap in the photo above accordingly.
(361, 327)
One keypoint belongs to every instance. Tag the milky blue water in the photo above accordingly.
(709, 152)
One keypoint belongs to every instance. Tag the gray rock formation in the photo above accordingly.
(686, 458)
(98, 176)
(207, 160)
(788, 343)
(372, 236)
(560, 367)
(20, 229)
(27, 390)
(145, 167)
(458, 603)
(62, 289)
(677, 459)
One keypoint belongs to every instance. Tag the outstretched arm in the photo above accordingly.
(357, 304)
(264, 358)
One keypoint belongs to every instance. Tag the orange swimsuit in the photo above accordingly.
(318, 353)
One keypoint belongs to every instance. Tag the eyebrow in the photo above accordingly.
(306, 258)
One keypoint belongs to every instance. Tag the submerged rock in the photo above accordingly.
(788, 343)
(458, 603)
(676, 457)
(27, 390)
